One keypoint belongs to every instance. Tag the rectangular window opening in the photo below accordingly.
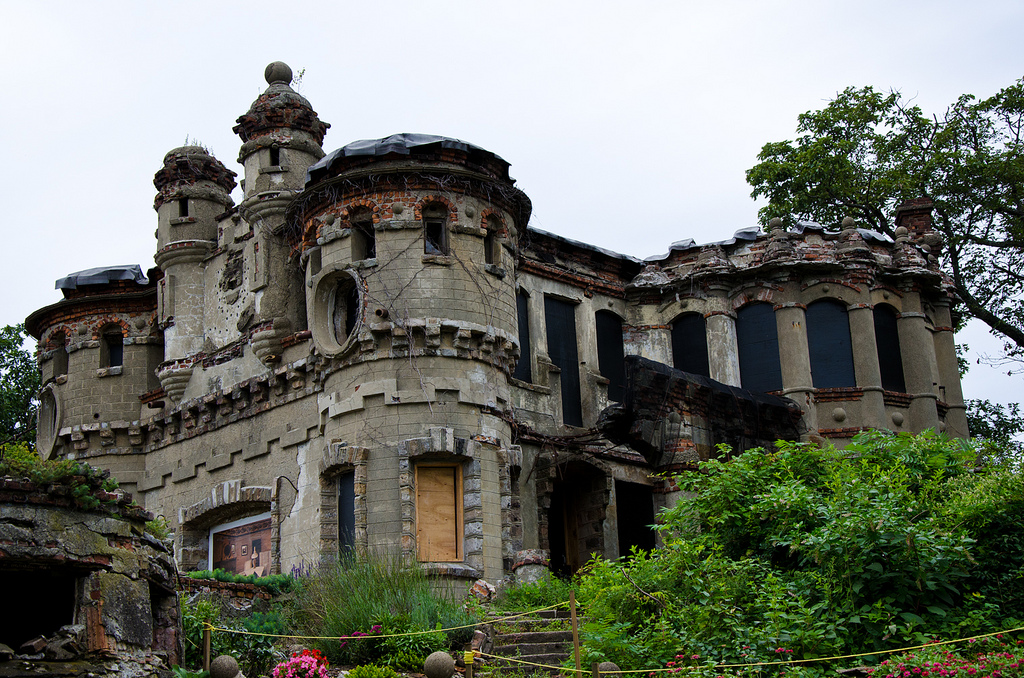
(434, 237)
(183, 207)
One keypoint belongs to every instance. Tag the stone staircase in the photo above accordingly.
(543, 638)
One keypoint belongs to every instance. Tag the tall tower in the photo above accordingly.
(410, 244)
(193, 189)
(282, 137)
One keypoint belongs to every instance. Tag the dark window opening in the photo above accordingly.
(44, 599)
(523, 371)
(364, 241)
(611, 353)
(60, 354)
(346, 512)
(346, 310)
(492, 243)
(828, 341)
(112, 349)
(757, 339)
(435, 235)
(690, 345)
(182, 207)
(887, 343)
(275, 156)
(561, 335)
(635, 517)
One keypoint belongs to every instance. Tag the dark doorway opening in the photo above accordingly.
(635, 517)
(38, 601)
(579, 499)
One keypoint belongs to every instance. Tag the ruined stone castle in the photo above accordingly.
(373, 350)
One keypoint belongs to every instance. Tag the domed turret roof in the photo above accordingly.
(189, 165)
(280, 107)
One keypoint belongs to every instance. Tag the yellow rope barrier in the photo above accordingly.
(560, 669)
(210, 626)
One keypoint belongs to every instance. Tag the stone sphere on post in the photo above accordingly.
(439, 665)
(224, 666)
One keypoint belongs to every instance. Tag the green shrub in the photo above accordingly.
(275, 583)
(369, 598)
(807, 552)
(545, 592)
(255, 654)
(18, 461)
(372, 671)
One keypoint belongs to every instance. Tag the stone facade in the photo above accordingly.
(373, 351)
(88, 590)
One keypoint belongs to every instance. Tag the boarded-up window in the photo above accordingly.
(610, 353)
(346, 512)
(758, 341)
(690, 344)
(828, 341)
(523, 371)
(560, 317)
(439, 513)
(887, 340)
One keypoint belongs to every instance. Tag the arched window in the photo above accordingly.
(364, 242)
(523, 371)
(690, 344)
(887, 342)
(560, 317)
(112, 346)
(435, 230)
(758, 341)
(610, 353)
(828, 341)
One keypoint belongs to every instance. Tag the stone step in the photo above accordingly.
(532, 648)
(502, 639)
(553, 660)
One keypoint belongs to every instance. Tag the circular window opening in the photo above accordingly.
(337, 311)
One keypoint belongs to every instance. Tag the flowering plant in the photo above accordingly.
(984, 658)
(307, 664)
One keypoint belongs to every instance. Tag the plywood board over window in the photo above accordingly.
(439, 512)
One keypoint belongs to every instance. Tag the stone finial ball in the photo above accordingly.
(848, 222)
(224, 666)
(775, 224)
(278, 71)
(439, 665)
(607, 667)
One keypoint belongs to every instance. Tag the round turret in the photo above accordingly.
(193, 188)
(282, 136)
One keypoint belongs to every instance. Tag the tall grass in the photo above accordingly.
(379, 595)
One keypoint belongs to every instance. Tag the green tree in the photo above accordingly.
(867, 152)
(19, 383)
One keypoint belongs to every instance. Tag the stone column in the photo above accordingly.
(918, 352)
(950, 390)
(865, 365)
(795, 359)
(723, 352)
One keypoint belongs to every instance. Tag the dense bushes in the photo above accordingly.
(374, 598)
(808, 552)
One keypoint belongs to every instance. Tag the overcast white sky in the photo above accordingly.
(630, 125)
